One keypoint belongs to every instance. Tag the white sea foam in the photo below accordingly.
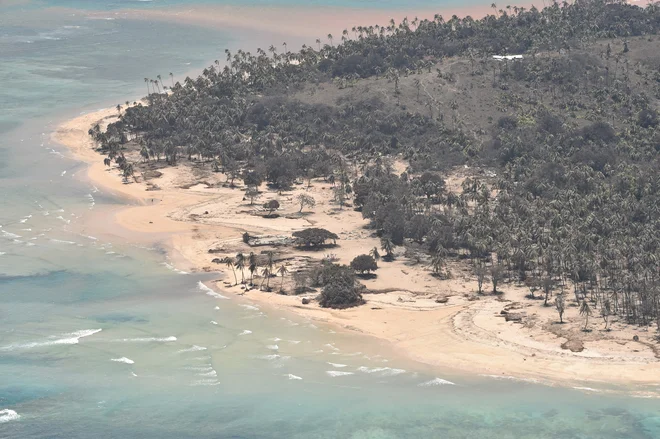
(211, 373)
(329, 345)
(193, 348)
(384, 371)
(216, 308)
(213, 322)
(207, 382)
(293, 377)
(209, 291)
(7, 415)
(123, 360)
(10, 235)
(133, 373)
(294, 341)
(436, 382)
(269, 357)
(586, 389)
(70, 338)
(2, 253)
(62, 241)
(273, 347)
(337, 365)
(245, 332)
(250, 307)
(275, 339)
(146, 339)
(337, 373)
(199, 368)
(63, 173)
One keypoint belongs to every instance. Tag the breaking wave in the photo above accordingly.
(70, 338)
(7, 415)
(436, 382)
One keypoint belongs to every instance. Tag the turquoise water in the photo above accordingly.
(186, 363)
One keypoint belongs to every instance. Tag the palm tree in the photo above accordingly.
(172, 78)
(330, 38)
(240, 264)
(585, 310)
(161, 81)
(118, 107)
(387, 246)
(318, 41)
(146, 80)
(282, 271)
(266, 278)
(252, 267)
(229, 262)
(374, 253)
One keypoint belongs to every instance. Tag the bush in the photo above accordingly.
(314, 237)
(364, 264)
(271, 206)
(341, 290)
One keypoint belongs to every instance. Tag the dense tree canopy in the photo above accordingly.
(570, 140)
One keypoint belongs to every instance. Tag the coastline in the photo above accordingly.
(461, 335)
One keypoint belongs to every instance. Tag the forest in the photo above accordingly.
(566, 142)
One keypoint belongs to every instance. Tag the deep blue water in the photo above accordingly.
(185, 365)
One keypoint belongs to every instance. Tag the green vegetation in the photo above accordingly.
(364, 264)
(314, 237)
(561, 147)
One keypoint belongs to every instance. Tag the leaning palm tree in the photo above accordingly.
(585, 310)
(282, 271)
(240, 264)
(229, 262)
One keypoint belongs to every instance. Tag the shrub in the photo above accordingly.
(271, 206)
(364, 264)
(314, 237)
(341, 290)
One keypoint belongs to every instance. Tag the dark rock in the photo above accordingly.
(511, 317)
(305, 301)
(573, 345)
(442, 300)
(635, 338)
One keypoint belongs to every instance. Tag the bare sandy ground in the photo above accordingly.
(467, 333)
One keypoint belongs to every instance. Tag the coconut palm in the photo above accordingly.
(585, 310)
(282, 271)
(387, 246)
(252, 266)
(240, 264)
(229, 262)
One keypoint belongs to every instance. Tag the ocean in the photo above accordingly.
(103, 338)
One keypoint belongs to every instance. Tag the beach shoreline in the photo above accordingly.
(452, 337)
(459, 335)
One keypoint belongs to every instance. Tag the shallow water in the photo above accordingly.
(102, 338)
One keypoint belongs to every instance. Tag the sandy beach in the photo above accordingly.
(406, 306)
(463, 334)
